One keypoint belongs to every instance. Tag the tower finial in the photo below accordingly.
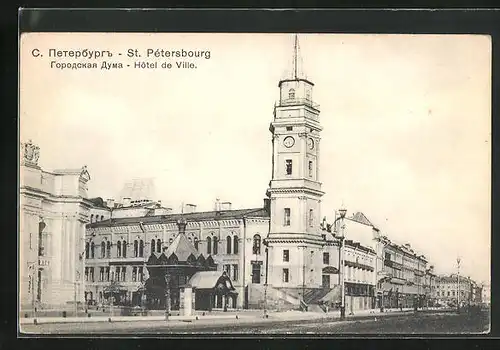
(295, 56)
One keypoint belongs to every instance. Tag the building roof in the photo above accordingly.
(182, 248)
(361, 218)
(209, 280)
(196, 216)
(451, 279)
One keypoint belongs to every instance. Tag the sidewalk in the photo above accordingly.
(241, 315)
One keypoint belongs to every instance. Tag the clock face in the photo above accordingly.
(289, 141)
(310, 143)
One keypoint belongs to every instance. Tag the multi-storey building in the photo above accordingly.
(486, 293)
(53, 213)
(452, 289)
(401, 277)
(118, 249)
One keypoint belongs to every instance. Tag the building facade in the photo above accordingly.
(118, 249)
(53, 212)
(401, 276)
(449, 291)
(486, 293)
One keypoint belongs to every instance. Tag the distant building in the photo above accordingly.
(486, 294)
(53, 213)
(448, 289)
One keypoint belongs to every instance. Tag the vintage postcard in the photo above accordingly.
(196, 183)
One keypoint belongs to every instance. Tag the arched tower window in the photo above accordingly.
(235, 245)
(86, 250)
(108, 249)
(209, 245)
(92, 250)
(141, 248)
(119, 249)
(153, 245)
(91, 218)
(256, 244)
(291, 94)
(196, 243)
(102, 217)
(158, 245)
(103, 250)
(228, 244)
(216, 246)
(124, 249)
(136, 251)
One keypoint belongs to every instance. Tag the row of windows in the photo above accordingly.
(234, 273)
(287, 215)
(97, 217)
(442, 293)
(119, 274)
(121, 249)
(289, 167)
(232, 247)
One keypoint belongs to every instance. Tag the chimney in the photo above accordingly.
(267, 204)
(217, 205)
(189, 208)
(110, 203)
(226, 206)
(126, 201)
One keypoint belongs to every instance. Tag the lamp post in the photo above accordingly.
(458, 285)
(265, 285)
(167, 296)
(341, 237)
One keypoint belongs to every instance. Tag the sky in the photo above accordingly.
(406, 118)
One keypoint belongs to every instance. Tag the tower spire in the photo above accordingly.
(295, 56)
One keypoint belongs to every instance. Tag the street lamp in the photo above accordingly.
(265, 285)
(341, 237)
(167, 296)
(458, 284)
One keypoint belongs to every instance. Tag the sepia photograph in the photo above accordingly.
(254, 183)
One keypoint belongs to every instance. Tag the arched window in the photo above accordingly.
(158, 245)
(124, 249)
(86, 250)
(216, 246)
(209, 245)
(108, 249)
(153, 245)
(135, 248)
(141, 248)
(119, 249)
(103, 250)
(235, 245)
(91, 218)
(256, 244)
(102, 217)
(291, 94)
(196, 243)
(92, 250)
(228, 245)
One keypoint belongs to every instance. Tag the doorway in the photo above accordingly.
(326, 281)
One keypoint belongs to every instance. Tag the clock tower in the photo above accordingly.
(295, 239)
